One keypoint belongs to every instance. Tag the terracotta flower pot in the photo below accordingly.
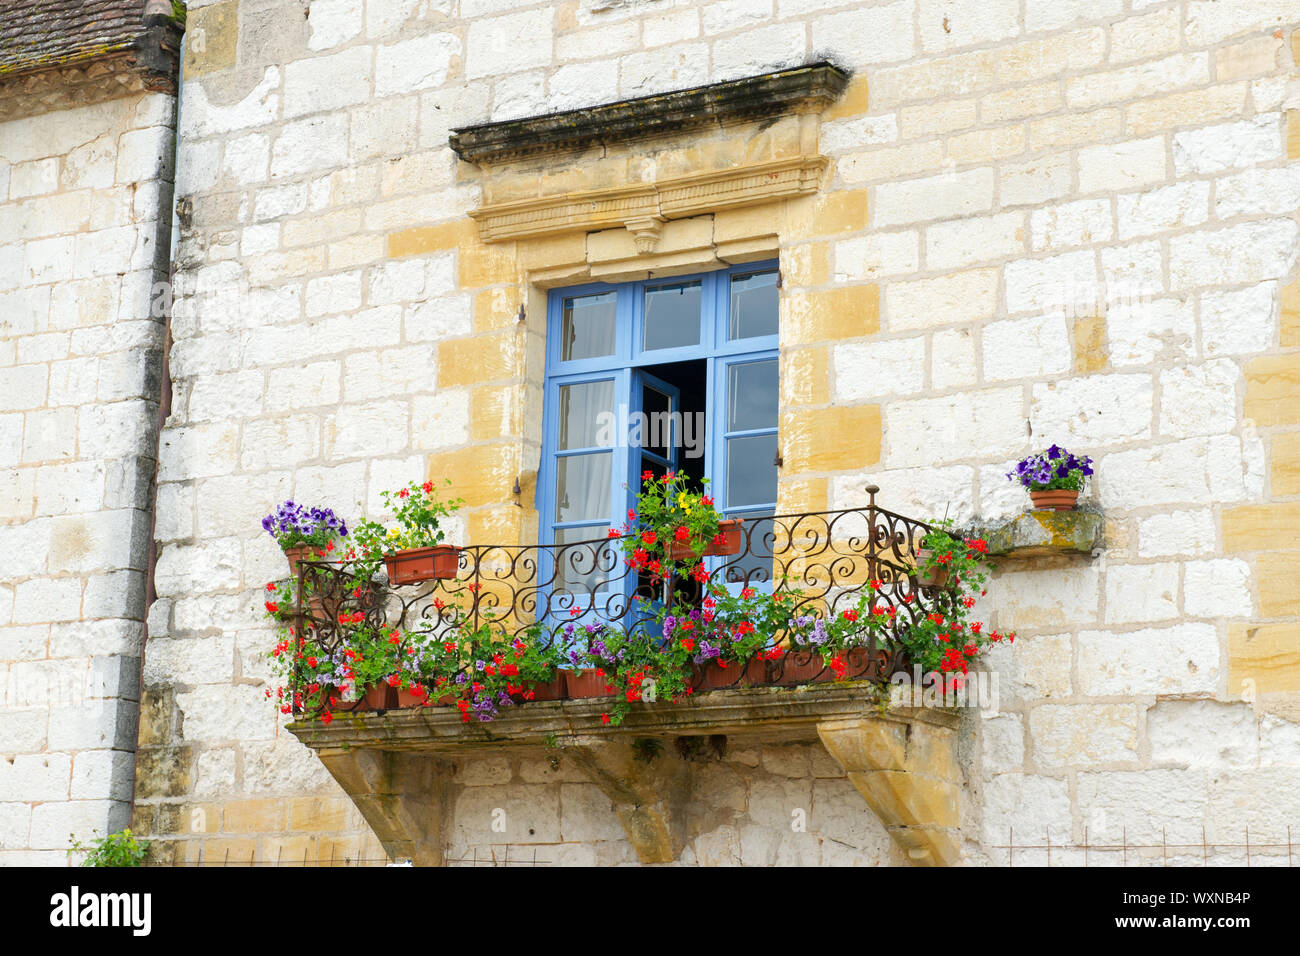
(934, 577)
(1062, 499)
(729, 530)
(383, 697)
(711, 675)
(800, 667)
(579, 685)
(553, 689)
(422, 564)
(300, 552)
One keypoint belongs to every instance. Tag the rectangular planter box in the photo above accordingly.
(579, 685)
(422, 564)
(730, 532)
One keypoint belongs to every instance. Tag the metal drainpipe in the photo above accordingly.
(164, 409)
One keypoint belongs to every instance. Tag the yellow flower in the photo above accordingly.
(393, 534)
(684, 502)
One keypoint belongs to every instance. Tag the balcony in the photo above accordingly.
(395, 761)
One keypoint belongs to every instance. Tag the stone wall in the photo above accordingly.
(1040, 221)
(85, 225)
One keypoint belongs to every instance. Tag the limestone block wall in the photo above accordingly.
(1041, 221)
(85, 217)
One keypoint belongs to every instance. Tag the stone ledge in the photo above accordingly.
(1038, 533)
(785, 714)
(770, 94)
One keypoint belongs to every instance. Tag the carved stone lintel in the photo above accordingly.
(403, 796)
(909, 777)
(649, 788)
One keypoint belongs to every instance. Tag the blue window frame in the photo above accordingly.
(703, 346)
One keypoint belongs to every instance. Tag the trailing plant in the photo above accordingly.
(123, 848)
(1053, 470)
(667, 512)
(419, 513)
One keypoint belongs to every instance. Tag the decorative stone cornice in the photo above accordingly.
(804, 88)
(639, 207)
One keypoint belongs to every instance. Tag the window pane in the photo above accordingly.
(582, 487)
(753, 305)
(582, 411)
(589, 323)
(751, 470)
(672, 315)
(752, 395)
(657, 435)
(582, 567)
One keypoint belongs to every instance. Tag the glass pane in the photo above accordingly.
(582, 486)
(752, 395)
(753, 566)
(672, 315)
(581, 568)
(584, 409)
(589, 323)
(751, 470)
(753, 305)
(657, 434)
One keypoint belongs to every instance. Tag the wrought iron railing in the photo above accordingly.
(822, 560)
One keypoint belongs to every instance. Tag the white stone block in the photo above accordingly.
(1163, 209)
(393, 373)
(438, 319)
(202, 118)
(333, 22)
(868, 36)
(200, 451)
(35, 777)
(1079, 223)
(758, 50)
(102, 774)
(1199, 399)
(333, 294)
(246, 158)
(423, 62)
(932, 492)
(212, 565)
(952, 359)
(280, 442)
(979, 239)
(1238, 321)
(1192, 471)
(850, 134)
(1217, 589)
(871, 370)
(509, 44)
(1073, 735)
(1127, 165)
(441, 420)
(145, 154)
(1141, 593)
(312, 144)
(1023, 348)
(1065, 597)
(363, 431)
(1093, 410)
(220, 713)
(877, 255)
(956, 299)
(1177, 533)
(1243, 144)
(1024, 808)
(1182, 659)
(1248, 252)
(1140, 331)
(304, 386)
(1038, 181)
(946, 196)
(973, 424)
(235, 504)
(327, 83)
(1002, 744)
(1055, 283)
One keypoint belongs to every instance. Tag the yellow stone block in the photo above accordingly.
(426, 239)
(496, 309)
(853, 102)
(481, 359)
(797, 495)
(1278, 577)
(1090, 351)
(752, 222)
(253, 816)
(902, 799)
(1184, 109)
(1286, 463)
(502, 524)
(983, 145)
(1292, 134)
(1291, 315)
(843, 211)
(211, 34)
(1273, 389)
(289, 850)
(549, 252)
(1261, 528)
(837, 438)
(319, 814)
(495, 412)
(842, 313)
(805, 376)
(480, 474)
(341, 851)
(218, 852)
(1267, 655)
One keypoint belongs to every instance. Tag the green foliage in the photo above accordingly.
(667, 513)
(116, 849)
(418, 511)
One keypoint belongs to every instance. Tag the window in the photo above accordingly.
(676, 373)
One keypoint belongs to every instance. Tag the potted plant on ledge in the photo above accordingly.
(1053, 478)
(304, 532)
(412, 550)
(672, 523)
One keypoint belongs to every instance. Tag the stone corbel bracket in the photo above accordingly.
(396, 765)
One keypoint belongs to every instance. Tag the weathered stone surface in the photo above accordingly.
(1046, 532)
